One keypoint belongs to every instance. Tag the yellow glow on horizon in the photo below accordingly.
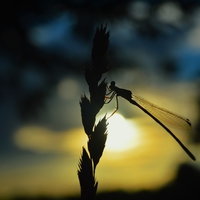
(42, 140)
(122, 134)
(146, 157)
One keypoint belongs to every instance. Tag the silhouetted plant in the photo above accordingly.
(97, 134)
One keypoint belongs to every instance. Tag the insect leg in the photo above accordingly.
(109, 97)
(117, 105)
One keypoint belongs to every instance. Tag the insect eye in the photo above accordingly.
(112, 83)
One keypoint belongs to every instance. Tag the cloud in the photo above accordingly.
(42, 140)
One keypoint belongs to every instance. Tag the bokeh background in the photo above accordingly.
(154, 51)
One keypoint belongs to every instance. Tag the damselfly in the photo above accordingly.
(158, 114)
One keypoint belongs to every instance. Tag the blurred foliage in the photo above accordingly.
(19, 55)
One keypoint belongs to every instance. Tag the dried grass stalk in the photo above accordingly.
(86, 177)
(97, 135)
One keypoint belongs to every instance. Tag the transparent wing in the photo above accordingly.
(165, 116)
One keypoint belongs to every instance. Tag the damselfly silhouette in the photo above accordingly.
(158, 114)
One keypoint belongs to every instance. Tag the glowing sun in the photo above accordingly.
(122, 134)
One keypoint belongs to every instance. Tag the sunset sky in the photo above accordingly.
(139, 154)
(41, 73)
